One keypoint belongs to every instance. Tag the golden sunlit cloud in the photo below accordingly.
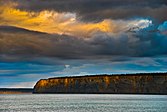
(61, 23)
(50, 22)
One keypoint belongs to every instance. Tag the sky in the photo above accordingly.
(53, 38)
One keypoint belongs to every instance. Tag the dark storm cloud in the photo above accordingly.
(12, 29)
(27, 45)
(141, 44)
(17, 43)
(96, 10)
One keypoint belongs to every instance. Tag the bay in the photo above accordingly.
(83, 103)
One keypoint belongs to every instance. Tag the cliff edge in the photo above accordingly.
(153, 83)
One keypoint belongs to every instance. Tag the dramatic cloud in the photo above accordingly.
(50, 21)
(24, 44)
(63, 23)
(96, 10)
(45, 38)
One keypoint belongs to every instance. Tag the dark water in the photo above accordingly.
(83, 103)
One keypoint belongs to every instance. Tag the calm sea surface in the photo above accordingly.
(82, 103)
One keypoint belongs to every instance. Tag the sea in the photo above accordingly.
(83, 103)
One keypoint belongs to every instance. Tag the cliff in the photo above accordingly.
(155, 83)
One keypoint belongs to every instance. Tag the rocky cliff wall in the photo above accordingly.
(139, 84)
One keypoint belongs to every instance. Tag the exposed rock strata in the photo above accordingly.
(137, 83)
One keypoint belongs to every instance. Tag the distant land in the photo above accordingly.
(16, 90)
(142, 83)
